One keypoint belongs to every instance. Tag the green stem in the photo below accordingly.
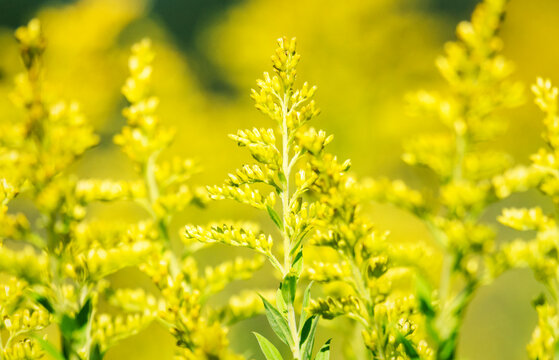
(54, 263)
(445, 283)
(371, 324)
(285, 193)
(153, 196)
(12, 338)
(294, 332)
(85, 296)
(381, 353)
(149, 176)
(360, 286)
(275, 263)
(360, 319)
(447, 315)
(285, 199)
(445, 289)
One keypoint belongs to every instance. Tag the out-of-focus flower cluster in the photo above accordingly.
(58, 265)
(465, 165)
(540, 253)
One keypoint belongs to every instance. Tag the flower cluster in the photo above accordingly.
(368, 263)
(35, 154)
(291, 109)
(478, 76)
(56, 259)
(58, 273)
(163, 190)
(540, 253)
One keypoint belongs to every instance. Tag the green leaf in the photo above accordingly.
(43, 301)
(308, 331)
(408, 346)
(72, 327)
(282, 307)
(539, 300)
(324, 352)
(463, 299)
(306, 301)
(275, 217)
(424, 296)
(447, 348)
(295, 246)
(423, 291)
(282, 178)
(269, 350)
(82, 317)
(96, 353)
(288, 289)
(49, 348)
(278, 323)
(67, 325)
(297, 265)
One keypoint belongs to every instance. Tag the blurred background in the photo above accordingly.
(364, 56)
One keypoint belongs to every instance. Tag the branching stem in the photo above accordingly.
(285, 193)
(153, 196)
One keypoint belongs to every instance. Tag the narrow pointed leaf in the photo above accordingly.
(269, 350)
(278, 323)
(408, 347)
(282, 178)
(447, 350)
(306, 301)
(82, 318)
(275, 217)
(324, 352)
(96, 353)
(282, 306)
(308, 331)
(423, 291)
(288, 288)
(298, 240)
(297, 265)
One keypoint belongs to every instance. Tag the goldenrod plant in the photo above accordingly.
(478, 76)
(370, 265)
(541, 252)
(291, 109)
(60, 274)
(53, 277)
(163, 190)
(62, 257)
(50, 269)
